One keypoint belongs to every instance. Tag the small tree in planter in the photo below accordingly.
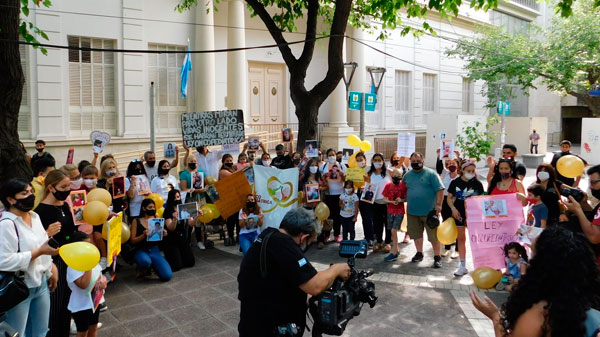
(476, 142)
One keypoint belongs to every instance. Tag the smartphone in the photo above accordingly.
(504, 279)
(53, 243)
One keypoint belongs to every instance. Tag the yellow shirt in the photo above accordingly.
(38, 189)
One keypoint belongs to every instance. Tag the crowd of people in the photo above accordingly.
(391, 190)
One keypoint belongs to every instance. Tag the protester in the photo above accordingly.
(565, 150)
(55, 215)
(41, 168)
(365, 209)
(147, 254)
(394, 194)
(297, 159)
(164, 182)
(348, 210)
(176, 245)
(135, 171)
(40, 146)
(265, 160)
(282, 161)
(425, 193)
(232, 221)
(534, 138)
(83, 164)
(546, 177)
(74, 175)
(537, 215)
(191, 194)
(376, 213)
(515, 259)
(335, 184)
(24, 247)
(108, 172)
(558, 296)
(459, 190)
(150, 167)
(448, 171)
(509, 151)
(90, 177)
(505, 180)
(251, 220)
(242, 162)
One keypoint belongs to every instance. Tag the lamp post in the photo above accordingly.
(376, 74)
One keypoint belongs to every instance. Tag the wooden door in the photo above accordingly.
(267, 93)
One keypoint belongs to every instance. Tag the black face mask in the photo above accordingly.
(250, 204)
(416, 166)
(339, 160)
(396, 180)
(40, 150)
(25, 204)
(163, 172)
(61, 195)
(150, 163)
(596, 194)
(566, 153)
(192, 166)
(178, 202)
(395, 162)
(150, 212)
(228, 165)
(296, 161)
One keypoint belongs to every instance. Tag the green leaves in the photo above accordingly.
(27, 28)
(476, 142)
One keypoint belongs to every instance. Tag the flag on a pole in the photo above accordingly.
(185, 69)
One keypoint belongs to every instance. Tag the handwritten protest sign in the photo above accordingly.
(232, 191)
(114, 237)
(209, 128)
(356, 174)
(406, 144)
(489, 231)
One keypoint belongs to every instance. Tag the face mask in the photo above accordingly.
(339, 160)
(505, 175)
(361, 164)
(469, 176)
(395, 162)
(163, 172)
(507, 156)
(76, 184)
(452, 169)
(313, 169)
(331, 159)
(40, 150)
(596, 194)
(396, 180)
(416, 166)
(111, 173)
(90, 183)
(531, 201)
(25, 204)
(61, 195)
(378, 165)
(192, 166)
(178, 202)
(138, 172)
(266, 162)
(296, 161)
(150, 212)
(250, 204)
(349, 190)
(150, 163)
(565, 153)
(543, 175)
(228, 165)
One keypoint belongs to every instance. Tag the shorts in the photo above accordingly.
(86, 318)
(415, 226)
(394, 221)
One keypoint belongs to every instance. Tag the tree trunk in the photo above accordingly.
(308, 120)
(13, 160)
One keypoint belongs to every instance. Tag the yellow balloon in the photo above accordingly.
(447, 232)
(570, 166)
(105, 230)
(100, 194)
(352, 161)
(81, 256)
(211, 180)
(322, 211)
(125, 232)
(300, 197)
(214, 209)
(486, 277)
(365, 145)
(404, 224)
(160, 212)
(95, 213)
(207, 214)
(353, 140)
(159, 201)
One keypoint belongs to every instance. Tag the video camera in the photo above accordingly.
(334, 308)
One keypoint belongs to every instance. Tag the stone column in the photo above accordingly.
(237, 69)
(204, 64)
(358, 81)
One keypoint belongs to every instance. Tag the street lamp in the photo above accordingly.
(376, 74)
(349, 67)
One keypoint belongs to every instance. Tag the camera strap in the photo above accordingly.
(263, 254)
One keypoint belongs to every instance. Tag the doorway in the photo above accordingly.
(267, 93)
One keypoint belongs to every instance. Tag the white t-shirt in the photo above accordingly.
(151, 172)
(335, 187)
(377, 179)
(210, 162)
(447, 179)
(135, 204)
(349, 200)
(251, 217)
(160, 185)
(81, 299)
(534, 137)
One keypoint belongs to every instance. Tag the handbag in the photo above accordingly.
(13, 289)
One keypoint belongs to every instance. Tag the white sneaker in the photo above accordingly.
(201, 246)
(99, 325)
(103, 263)
(461, 271)
(73, 328)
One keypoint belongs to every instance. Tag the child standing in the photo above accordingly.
(394, 195)
(348, 210)
(537, 215)
(81, 304)
(516, 265)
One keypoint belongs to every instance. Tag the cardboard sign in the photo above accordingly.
(99, 140)
(406, 144)
(356, 174)
(209, 128)
(114, 237)
(232, 192)
(231, 148)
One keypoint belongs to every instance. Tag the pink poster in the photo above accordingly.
(492, 222)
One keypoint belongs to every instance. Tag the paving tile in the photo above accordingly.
(204, 327)
(170, 303)
(131, 313)
(184, 315)
(149, 324)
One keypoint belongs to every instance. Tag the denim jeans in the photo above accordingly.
(151, 257)
(31, 317)
(246, 240)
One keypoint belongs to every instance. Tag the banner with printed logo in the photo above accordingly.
(276, 192)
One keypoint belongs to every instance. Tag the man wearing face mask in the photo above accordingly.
(275, 278)
(565, 150)
(40, 146)
(208, 161)
(150, 166)
(282, 161)
(425, 192)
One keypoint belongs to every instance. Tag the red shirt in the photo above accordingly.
(392, 192)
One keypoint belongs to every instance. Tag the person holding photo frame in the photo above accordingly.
(164, 182)
(312, 176)
(176, 245)
(334, 174)
(232, 221)
(135, 169)
(189, 193)
(376, 213)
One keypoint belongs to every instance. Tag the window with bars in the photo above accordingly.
(402, 91)
(467, 95)
(25, 110)
(429, 89)
(91, 87)
(164, 70)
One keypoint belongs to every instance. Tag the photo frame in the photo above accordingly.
(186, 211)
(155, 229)
(369, 193)
(286, 135)
(312, 148)
(118, 187)
(312, 193)
(494, 208)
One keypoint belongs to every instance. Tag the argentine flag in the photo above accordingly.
(185, 69)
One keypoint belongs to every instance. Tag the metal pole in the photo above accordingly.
(362, 116)
(152, 131)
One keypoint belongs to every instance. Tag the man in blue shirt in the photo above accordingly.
(425, 192)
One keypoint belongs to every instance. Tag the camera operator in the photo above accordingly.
(589, 219)
(275, 278)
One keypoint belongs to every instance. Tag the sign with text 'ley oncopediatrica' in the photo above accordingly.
(209, 128)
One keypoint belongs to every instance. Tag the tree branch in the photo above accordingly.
(286, 52)
(311, 34)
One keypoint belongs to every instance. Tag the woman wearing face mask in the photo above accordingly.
(448, 171)
(335, 189)
(24, 247)
(251, 219)
(364, 208)
(312, 175)
(74, 175)
(190, 194)
(57, 219)
(135, 169)
(265, 159)
(505, 179)
(467, 185)
(176, 245)
(232, 222)
(108, 172)
(164, 182)
(546, 176)
(377, 212)
(147, 254)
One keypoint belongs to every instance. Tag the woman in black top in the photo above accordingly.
(546, 176)
(57, 219)
(176, 245)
